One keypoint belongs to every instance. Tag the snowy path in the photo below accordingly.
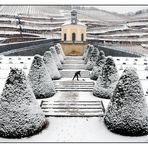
(70, 103)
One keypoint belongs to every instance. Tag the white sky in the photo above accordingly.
(119, 9)
(122, 9)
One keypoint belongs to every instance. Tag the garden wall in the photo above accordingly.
(29, 48)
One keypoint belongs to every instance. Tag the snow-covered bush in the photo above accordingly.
(92, 59)
(40, 79)
(97, 68)
(25, 66)
(51, 66)
(127, 113)
(2, 57)
(20, 114)
(107, 80)
(85, 52)
(56, 57)
(121, 67)
(58, 50)
(146, 68)
(88, 53)
(61, 49)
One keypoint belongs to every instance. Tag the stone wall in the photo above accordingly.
(27, 48)
(71, 49)
(114, 52)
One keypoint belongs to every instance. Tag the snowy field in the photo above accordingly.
(76, 129)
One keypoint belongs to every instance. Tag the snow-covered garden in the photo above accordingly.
(40, 102)
(119, 82)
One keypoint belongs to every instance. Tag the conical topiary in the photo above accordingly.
(92, 59)
(85, 51)
(121, 67)
(88, 54)
(51, 66)
(59, 54)
(61, 49)
(97, 69)
(40, 79)
(20, 114)
(56, 57)
(127, 113)
(146, 68)
(107, 80)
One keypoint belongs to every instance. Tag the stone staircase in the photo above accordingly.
(70, 73)
(73, 64)
(67, 106)
(70, 66)
(73, 108)
(73, 85)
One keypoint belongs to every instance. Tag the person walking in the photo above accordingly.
(76, 75)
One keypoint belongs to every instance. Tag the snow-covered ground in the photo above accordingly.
(75, 129)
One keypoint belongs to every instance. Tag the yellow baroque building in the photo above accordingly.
(73, 36)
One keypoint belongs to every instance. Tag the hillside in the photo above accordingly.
(108, 28)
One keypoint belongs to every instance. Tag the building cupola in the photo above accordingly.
(73, 36)
(73, 17)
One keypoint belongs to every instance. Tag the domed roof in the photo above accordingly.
(73, 11)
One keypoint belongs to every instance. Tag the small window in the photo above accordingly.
(82, 37)
(64, 36)
(73, 37)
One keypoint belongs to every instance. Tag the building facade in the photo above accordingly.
(73, 36)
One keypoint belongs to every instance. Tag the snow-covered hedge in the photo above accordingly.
(127, 113)
(88, 53)
(51, 66)
(97, 68)
(85, 52)
(146, 68)
(1, 57)
(107, 80)
(40, 79)
(121, 67)
(56, 57)
(20, 114)
(58, 50)
(92, 59)
(61, 49)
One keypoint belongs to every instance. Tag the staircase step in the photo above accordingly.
(68, 89)
(70, 74)
(73, 108)
(74, 82)
(73, 58)
(73, 85)
(74, 66)
(73, 62)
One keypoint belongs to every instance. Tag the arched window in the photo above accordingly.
(73, 37)
(64, 36)
(82, 37)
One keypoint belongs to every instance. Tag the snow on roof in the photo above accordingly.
(69, 23)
